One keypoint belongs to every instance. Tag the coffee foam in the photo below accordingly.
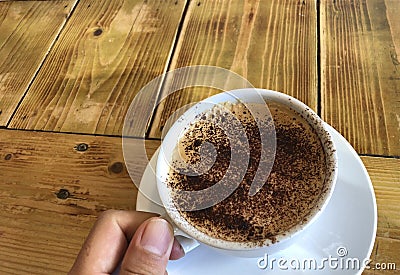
(287, 196)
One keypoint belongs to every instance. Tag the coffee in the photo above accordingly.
(287, 196)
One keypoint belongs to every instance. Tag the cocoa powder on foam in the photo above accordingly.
(287, 195)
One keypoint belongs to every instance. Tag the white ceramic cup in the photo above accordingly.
(190, 233)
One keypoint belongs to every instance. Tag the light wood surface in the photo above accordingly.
(270, 43)
(107, 51)
(385, 176)
(70, 69)
(41, 227)
(360, 73)
(39, 224)
(28, 30)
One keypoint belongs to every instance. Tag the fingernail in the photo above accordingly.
(157, 237)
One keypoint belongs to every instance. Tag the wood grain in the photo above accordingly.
(384, 257)
(360, 73)
(35, 221)
(385, 176)
(27, 32)
(271, 43)
(106, 53)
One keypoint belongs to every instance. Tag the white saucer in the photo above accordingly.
(344, 233)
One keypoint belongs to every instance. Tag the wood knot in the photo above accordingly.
(81, 147)
(251, 16)
(63, 194)
(116, 167)
(98, 32)
(8, 157)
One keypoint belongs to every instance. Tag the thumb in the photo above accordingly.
(149, 249)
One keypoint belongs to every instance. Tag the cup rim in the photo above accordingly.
(330, 179)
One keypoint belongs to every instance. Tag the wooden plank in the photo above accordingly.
(385, 176)
(384, 257)
(360, 46)
(106, 53)
(27, 31)
(271, 43)
(35, 221)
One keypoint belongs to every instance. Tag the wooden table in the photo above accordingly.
(70, 69)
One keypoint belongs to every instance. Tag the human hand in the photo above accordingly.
(141, 242)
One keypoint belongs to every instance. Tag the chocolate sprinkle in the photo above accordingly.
(289, 193)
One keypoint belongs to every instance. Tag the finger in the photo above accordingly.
(107, 241)
(150, 248)
(177, 251)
